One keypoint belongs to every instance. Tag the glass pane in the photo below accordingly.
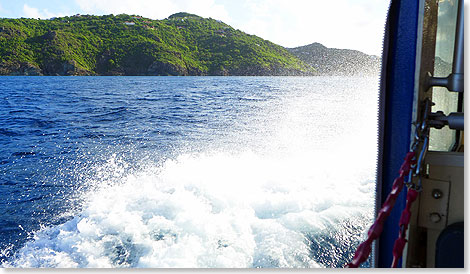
(443, 139)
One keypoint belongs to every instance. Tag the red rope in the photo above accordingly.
(404, 222)
(364, 249)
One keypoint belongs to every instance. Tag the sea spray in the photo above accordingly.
(206, 210)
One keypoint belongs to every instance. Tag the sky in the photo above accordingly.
(350, 24)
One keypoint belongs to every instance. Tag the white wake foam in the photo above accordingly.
(217, 210)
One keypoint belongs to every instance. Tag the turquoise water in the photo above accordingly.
(185, 171)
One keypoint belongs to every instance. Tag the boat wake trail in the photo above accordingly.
(294, 188)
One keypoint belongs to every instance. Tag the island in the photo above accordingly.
(183, 44)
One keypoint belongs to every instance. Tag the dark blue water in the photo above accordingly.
(52, 129)
(58, 134)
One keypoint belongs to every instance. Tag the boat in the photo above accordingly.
(421, 110)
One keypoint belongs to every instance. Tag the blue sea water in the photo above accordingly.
(185, 171)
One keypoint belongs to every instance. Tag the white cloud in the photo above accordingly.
(341, 23)
(205, 8)
(31, 12)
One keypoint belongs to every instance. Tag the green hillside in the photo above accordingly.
(183, 44)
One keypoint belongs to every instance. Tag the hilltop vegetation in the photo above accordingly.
(183, 44)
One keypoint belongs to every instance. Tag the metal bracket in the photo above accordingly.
(433, 207)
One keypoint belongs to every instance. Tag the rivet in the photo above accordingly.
(437, 193)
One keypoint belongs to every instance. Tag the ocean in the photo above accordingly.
(186, 172)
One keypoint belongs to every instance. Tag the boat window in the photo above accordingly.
(141, 169)
(444, 139)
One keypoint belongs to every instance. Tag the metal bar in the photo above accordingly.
(455, 120)
(458, 132)
(437, 81)
(456, 79)
(458, 64)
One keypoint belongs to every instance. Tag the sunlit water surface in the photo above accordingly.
(185, 171)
